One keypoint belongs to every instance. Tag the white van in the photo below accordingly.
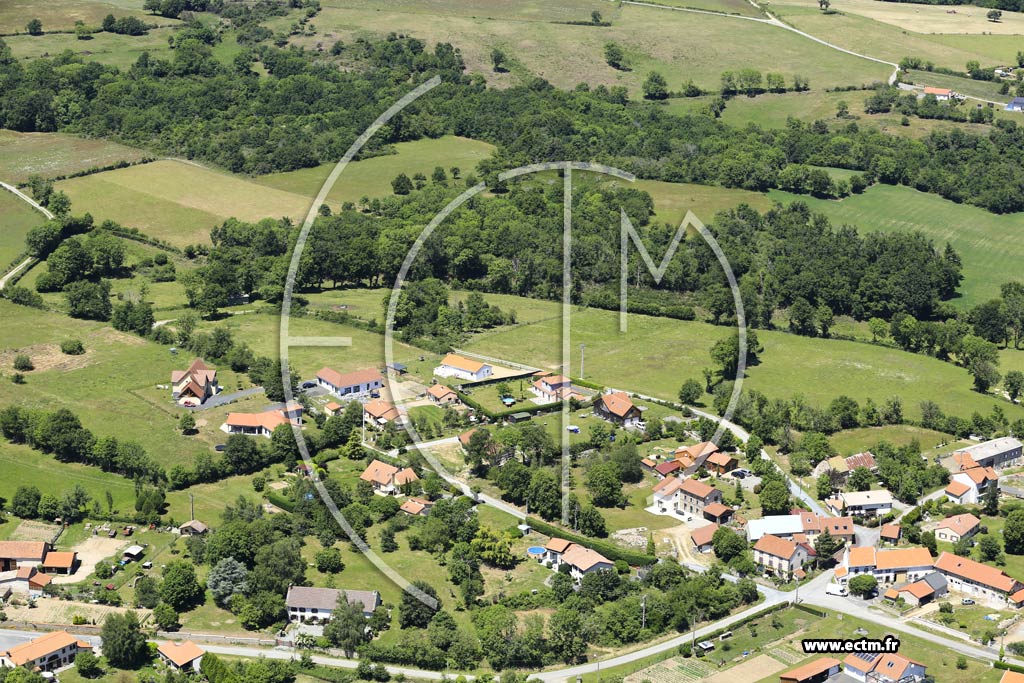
(836, 589)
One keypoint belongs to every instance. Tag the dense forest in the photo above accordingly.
(307, 111)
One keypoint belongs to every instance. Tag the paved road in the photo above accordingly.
(24, 264)
(225, 398)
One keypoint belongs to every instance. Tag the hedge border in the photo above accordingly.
(609, 550)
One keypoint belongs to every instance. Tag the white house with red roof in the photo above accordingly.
(666, 494)
(460, 367)
(780, 555)
(954, 528)
(980, 581)
(194, 385)
(48, 652)
(883, 668)
(969, 481)
(388, 479)
(887, 566)
(351, 383)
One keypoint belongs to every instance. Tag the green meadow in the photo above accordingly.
(16, 219)
(990, 245)
(372, 177)
(179, 201)
(110, 49)
(53, 154)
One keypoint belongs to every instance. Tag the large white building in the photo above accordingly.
(998, 453)
(308, 604)
(861, 503)
(350, 384)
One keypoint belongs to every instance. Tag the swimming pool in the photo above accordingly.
(535, 550)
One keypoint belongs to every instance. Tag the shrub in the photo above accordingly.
(23, 363)
(72, 347)
(18, 378)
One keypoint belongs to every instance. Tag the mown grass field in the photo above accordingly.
(656, 355)
(53, 154)
(178, 201)
(680, 45)
(924, 19)
(61, 15)
(740, 7)
(874, 28)
(372, 177)
(850, 441)
(16, 219)
(110, 49)
(990, 245)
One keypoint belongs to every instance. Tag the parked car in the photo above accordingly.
(308, 385)
(738, 474)
(836, 589)
(967, 601)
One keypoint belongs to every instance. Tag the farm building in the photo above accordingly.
(454, 365)
(14, 554)
(941, 94)
(305, 603)
(980, 581)
(1016, 104)
(888, 566)
(818, 671)
(701, 538)
(997, 453)
(193, 528)
(350, 384)
(920, 592)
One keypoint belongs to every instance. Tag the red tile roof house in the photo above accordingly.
(308, 604)
(979, 581)
(379, 412)
(666, 494)
(617, 407)
(692, 458)
(779, 555)
(717, 512)
(178, 656)
(25, 581)
(952, 529)
(695, 495)
(883, 668)
(194, 385)
(254, 424)
(417, 507)
(442, 394)
(664, 469)
(720, 463)
(54, 650)
(387, 479)
(454, 365)
(890, 533)
(583, 561)
(349, 384)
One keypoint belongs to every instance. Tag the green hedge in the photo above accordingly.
(1008, 667)
(609, 550)
(280, 501)
(811, 610)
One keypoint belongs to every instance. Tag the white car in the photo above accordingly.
(836, 589)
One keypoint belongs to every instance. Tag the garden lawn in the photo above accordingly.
(372, 177)
(990, 245)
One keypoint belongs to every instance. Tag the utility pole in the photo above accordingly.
(192, 505)
(643, 613)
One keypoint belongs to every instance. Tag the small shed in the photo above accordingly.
(519, 417)
(133, 553)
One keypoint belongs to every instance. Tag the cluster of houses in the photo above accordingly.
(28, 567)
(57, 650)
(784, 543)
(861, 667)
(678, 492)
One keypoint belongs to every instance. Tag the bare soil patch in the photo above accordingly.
(34, 531)
(47, 357)
(754, 669)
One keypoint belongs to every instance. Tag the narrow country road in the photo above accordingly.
(28, 260)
